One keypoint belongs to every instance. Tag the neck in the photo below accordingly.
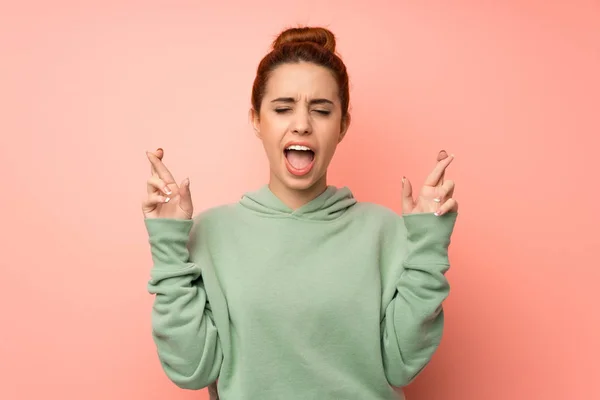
(296, 198)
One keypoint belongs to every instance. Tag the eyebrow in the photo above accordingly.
(291, 100)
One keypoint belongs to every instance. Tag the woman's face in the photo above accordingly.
(300, 124)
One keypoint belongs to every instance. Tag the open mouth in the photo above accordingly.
(300, 159)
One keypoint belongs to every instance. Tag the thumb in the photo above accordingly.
(185, 200)
(407, 200)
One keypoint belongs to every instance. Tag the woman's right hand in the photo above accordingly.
(166, 199)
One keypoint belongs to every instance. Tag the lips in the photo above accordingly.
(299, 158)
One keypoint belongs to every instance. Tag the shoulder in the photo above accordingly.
(420, 223)
(376, 212)
(213, 219)
(215, 215)
(377, 216)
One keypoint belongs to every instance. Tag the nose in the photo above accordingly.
(301, 124)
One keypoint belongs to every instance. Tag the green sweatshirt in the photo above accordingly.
(338, 299)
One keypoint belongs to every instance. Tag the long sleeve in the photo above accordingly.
(413, 320)
(183, 328)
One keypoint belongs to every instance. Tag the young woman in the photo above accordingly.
(298, 291)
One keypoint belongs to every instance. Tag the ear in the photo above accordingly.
(345, 126)
(255, 120)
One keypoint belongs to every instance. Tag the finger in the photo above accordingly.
(442, 155)
(153, 200)
(161, 169)
(449, 205)
(185, 199)
(445, 191)
(436, 175)
(159, 153)
(408, 202)
(155, 184)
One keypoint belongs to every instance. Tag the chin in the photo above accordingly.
(300, 183)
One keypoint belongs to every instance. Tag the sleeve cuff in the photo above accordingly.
(429, 237)
(168, 240)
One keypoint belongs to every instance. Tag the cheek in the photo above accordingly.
(272, 127)
(332, 136)
(328, 148)
(271, 138)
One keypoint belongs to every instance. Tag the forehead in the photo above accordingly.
(304, 80)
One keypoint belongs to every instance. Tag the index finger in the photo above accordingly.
(442, 155)
(437, 174)
(158, 153)
(161, 169)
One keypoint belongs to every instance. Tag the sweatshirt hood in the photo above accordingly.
(329, 205)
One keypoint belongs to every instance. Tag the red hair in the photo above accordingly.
(308, 44)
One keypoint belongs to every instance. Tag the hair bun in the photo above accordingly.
(320, 36)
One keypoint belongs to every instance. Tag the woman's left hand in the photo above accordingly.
(436, 194)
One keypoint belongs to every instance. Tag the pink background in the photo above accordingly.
(513, 89)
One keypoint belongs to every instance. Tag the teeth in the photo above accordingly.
(298, 147)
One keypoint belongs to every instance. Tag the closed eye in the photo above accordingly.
(284, 110)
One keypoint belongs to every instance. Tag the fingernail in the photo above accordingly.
(167, 190)
(167, 199)
(437, 200)
(403, 179)
(159, 149)
(437, 214)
